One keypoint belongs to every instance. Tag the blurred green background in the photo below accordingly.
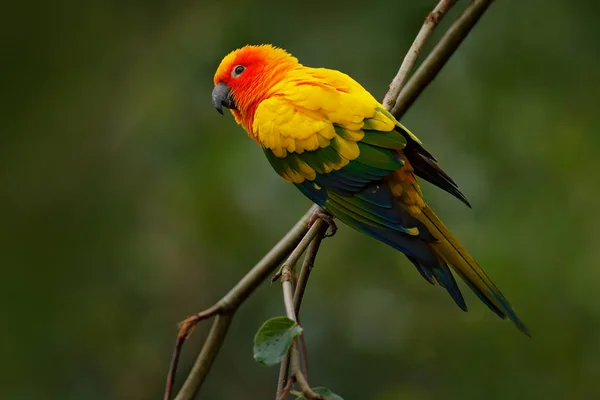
(128, 203)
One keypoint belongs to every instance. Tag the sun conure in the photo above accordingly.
(326, 134)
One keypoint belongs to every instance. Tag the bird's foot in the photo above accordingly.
(325, 216)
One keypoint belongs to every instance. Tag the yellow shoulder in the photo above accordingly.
(282, 127)
(304, 109)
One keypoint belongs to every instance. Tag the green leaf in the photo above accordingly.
(274, 339)
(323, 391)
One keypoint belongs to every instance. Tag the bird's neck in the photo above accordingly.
(263, 87)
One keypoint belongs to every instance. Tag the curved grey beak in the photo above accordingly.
(221, 96)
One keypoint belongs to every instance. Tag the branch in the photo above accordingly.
(307, 265)
(288, 298)
(299, 376)
(207, 355)
(432, 20)
(282, 387)
(286, 389)
(290, 263)
(181, 337)
(439, 56)
(226, 307)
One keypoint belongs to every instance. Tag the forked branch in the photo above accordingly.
(439, 56)
(225, 308)
(307, 265)
(432, 20)
(290, 309)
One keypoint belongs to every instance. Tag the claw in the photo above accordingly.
(325, 216)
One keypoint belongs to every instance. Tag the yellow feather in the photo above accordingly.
(310, 143)
(354, 126)
(323, 142)
(328, 131)
(346, 148)
(291, 147)
(381, 122)
(306, 170)
(343, 162)
(356, 136)
(294, 176)
(285, 176)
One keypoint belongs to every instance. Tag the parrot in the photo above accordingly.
(325, 133)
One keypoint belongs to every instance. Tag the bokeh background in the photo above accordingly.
(128, 203)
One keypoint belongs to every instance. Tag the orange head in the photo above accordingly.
(246, 76)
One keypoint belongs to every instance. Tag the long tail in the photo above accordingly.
(451, 251)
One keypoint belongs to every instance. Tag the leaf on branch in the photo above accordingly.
(323, 391)
(274, 339)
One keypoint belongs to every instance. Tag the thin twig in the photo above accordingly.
(297, 253)
(286, 389)
(439, 56)
(288, 290)
(226, 306)
(284, 370)
(288, 298)
(181, 337)
(303, 355)
(432, 20)
(307, 265)
(302, 382)
(207, 355)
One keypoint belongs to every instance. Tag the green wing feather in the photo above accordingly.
(354, 189)
(357, 192)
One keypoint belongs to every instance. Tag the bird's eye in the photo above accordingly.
(237, 71)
